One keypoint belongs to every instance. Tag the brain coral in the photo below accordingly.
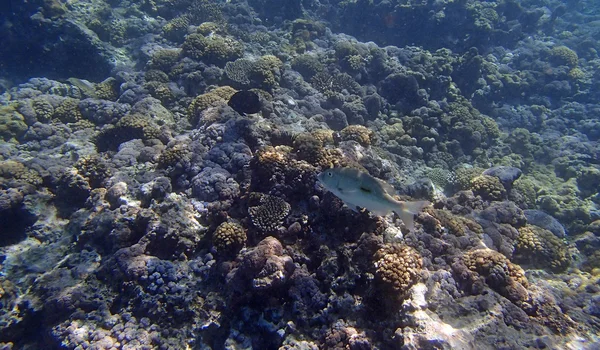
(398, 266)
(229, 237)
(267, 216)
(540, 248)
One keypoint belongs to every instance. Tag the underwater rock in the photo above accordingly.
(546, 221)
(506, 174)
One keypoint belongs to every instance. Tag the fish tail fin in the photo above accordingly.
(407, 210)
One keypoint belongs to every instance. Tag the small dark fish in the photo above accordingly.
(245, 102)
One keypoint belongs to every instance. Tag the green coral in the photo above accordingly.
(12, 123)
(264, 72)
(68, 111)
(229, 237)
(540, 248)
(14, 174)
(139, 123)
(464, 175)
(156, 75)
(178, 153)
(527, 190)
(107, 89)
(44, 111)
(214, 49)
(164, 60)
(563, 55)
(160, 91)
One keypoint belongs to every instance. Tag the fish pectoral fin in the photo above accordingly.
(365, 189)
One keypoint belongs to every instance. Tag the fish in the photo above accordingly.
(358, 189)
(245, 102)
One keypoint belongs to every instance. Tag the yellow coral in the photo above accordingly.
(488, 187)
(210, 99)
(565, 56)
(398, 266)
(542, 249)
(229, 237)
(358, 133)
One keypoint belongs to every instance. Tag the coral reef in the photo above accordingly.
(139, 210)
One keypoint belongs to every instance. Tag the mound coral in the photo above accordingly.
(563, 55)
(95, 169)
(540, 248)
(358, 133)
(398, 267)
(212, 98)
(229, 237)
(488, 187)
(215, 49)
(12, 124)
(494, 269)
(264, 72)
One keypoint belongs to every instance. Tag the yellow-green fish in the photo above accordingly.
(359, 189)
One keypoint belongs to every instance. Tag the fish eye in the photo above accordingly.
(329, 173)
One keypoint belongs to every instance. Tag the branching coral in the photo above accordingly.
(269, 213)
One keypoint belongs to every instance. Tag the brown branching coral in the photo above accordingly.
(398, 267)
(541, 249)
(268, 215)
